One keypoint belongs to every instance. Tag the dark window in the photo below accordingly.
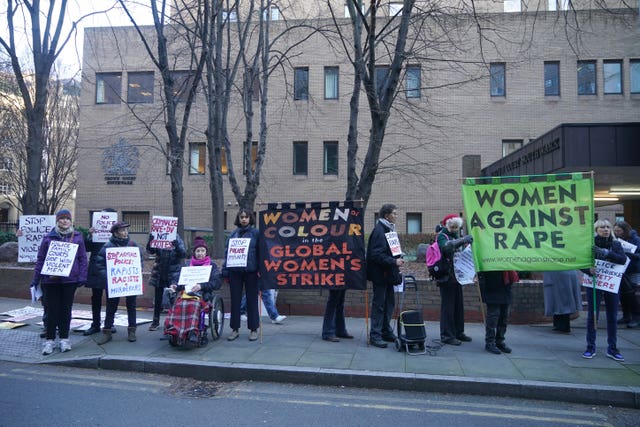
(330, 164)
(414, 222)
(331, 82)
(300, 150)
(612, 74)
(413, 81)
(140, 87)
(634, 74)
(587, 78)
(552, 78)
(108, 88)
(182, 82)
(138, 221)
(498, 83)
(382, 71)
(301, 83)
(197, 158)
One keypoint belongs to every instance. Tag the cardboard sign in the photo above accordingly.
(628, 247)
(101, 223)
(124, 272)
(463, 266)
(238, 252)
(164, 230)
(190, 276)
(394, 243)
(34, 228)
(59, 259)
(608, 276)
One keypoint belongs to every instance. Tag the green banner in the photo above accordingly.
(538, 223)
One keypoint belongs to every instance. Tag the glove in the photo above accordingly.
(600, 253)
(175, 243)
(467, 239)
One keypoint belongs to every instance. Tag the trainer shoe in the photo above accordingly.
(589, 353)
(48, 347)
(233, 335)
(278, 320)
(253, 335)
(615, 355)
(64, 345)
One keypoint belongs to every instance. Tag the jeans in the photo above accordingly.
(112, 307)
(611, 307)
(382, 306)
(334, 323)
(268, 299)
(59, 301)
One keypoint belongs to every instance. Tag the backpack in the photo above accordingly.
(437, 265)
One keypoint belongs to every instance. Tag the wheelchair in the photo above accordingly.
(192, 317)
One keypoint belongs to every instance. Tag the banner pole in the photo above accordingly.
(484, 318)
(595, 303)
(260, 313)
(366, 313)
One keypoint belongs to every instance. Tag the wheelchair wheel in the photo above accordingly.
(216, 317)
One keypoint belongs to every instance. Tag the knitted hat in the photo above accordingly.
(118, 225)
(199, 242)
(63, 213)
(448, 217)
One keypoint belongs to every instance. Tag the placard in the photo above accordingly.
(608, 276)
(34, 228)
(101, 223)
(59, 259)
(190, 276)
(124, 272)
(164, 230)
(394, 243)
(628, 247)
(463, 266)
(238, 252)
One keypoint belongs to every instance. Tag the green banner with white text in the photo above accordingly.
(530, 223)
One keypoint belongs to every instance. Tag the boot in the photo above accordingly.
(490, 340)
(105, 337)
(131, 333)
(155, 324)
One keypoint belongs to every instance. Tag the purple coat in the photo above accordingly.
(78, 270)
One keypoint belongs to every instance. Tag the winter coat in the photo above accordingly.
(634, 258)
(381, 265)
(252, 258)
(562, 293)
(166, 270)
(492, 288)
(449, 243)
(93, 277)
(78, 274)
(101, 259)
(215, 282)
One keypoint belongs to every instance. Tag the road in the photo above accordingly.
(59, 396)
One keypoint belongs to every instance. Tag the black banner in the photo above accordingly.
(312, 247)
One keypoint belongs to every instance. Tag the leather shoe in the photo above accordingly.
(345, 336)
(92, 330)
(331, 339)
(389, 338)
(504, 348)
(451, 341)
(492, 348)
(378, 343)
(464, 338)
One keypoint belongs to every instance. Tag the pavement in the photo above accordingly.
(543, 364)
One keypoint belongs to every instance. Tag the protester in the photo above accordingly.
(334, 326)
(631, 277)
(94, 281)
(608, 249)
(244, 277)
(201, 258)
(166, 272)
(562, 298)
(58, 291)
(451, 299)
(119, 238)
(495, 289)
(34, 285)
(268, 297)
(383, 269)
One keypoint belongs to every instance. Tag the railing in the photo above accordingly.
(8, 227)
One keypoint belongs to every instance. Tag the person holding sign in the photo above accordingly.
(119, 239)
(383, 269)
(201, 258)
(451, 298)
(166, 272)
(241, 270)
(628, 300)
(606, 248)
(60, 268)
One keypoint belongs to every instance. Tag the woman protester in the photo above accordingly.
(631, 278)
(59, 291)
(243, 274)
(606, 248)
(562, 298)
(495, 289)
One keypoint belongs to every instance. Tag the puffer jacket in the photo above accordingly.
(78, 272)
(166, 270)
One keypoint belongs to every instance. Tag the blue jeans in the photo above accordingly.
(267, 299)
(611, 307)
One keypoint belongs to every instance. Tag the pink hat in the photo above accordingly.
(199, 242)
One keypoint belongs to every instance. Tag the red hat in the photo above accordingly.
(448, 217)
(199, 242)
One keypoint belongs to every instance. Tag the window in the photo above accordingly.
(498, 85)
(612, 74)
(553, 5)
(273, 14)
(197, 158)
(301, 83)
(552, 78)
(346, 8)
(331, 82)
(512, 6)
(231, 16)
(224, 168)
(395, 8)
(382, 71)
(6, 164)
(510, 145)
(634, 73)
(5, 187)
(182, 81)
(413, 81)
(586, 77)
(254, 156)
(330, 163)
(140, 87)
(414, 222)
(300, 150)
(138, 221)
(108, 88)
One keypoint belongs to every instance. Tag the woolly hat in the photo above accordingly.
(118, 225)
(448, 217)
(64, 213)
(199, 242)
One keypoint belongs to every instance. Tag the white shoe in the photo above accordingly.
(65, 345)
(48, 347)
(278, 320)
(243, 317)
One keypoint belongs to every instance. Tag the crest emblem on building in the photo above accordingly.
(120, 162)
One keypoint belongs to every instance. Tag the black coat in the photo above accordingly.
(166, 270)
(492, 288)
(94, 280)
(381, 265)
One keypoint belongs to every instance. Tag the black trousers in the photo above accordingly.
(496, 323)
(96, 306)
(451, 310)
(382, 306)
(112, 307)
(58, 302)
(249, 281)
(334, 323)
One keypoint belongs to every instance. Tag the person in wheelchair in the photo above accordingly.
(185, 321)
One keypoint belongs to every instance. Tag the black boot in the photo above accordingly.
(490, 340)
(92, 330)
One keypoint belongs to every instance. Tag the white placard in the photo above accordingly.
(394, 243)
(34, 228)
(608, 276)
(101, 223)
(627, 246)
(124, 272)
(164, 230)
(190, 276)
(463, 266)
(238, 252)
(59, 259)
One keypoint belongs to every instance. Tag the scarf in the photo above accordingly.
(64, 233)
(200, 262)
(603, 242)
(391, 226)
